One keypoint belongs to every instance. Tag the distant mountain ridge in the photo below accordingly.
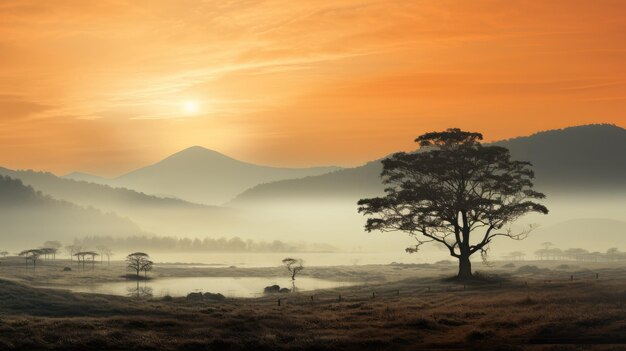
(201, 175)
(30, 217)
(590, 157)
(86, 177)
(91, 194)
(572, 160)
(151, 213)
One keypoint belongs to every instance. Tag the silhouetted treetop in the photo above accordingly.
(139, 254)
(451, 137)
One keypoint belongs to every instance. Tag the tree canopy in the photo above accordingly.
(451, 188)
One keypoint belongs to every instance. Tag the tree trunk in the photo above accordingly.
(465, 268)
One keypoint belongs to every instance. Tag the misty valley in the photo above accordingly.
(286, 175)
(325, 253)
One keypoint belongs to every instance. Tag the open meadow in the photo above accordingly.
(535, 305)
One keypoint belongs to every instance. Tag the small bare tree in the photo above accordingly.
(101, 249)
(146, 267)
(31, 255)
(138, 262)
(294, 266)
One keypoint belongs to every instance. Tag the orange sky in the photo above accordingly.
(99, 86)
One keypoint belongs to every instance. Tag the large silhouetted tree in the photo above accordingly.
(454, 191)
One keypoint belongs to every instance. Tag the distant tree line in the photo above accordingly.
(50, 248)
(550, 252)
(174, 244)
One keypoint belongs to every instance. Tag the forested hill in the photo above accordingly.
(29, 217)
(584, 158)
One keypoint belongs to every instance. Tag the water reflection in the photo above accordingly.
(139, 291)
(227, 286)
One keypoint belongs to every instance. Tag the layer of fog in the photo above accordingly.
(593, 223)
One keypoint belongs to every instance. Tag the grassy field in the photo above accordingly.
(397, 307)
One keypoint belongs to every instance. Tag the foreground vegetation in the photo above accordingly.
(524, 307)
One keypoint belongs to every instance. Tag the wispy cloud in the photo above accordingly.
(287, 74)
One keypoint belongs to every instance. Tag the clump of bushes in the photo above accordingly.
(198, 296)
(272, 289)
(214, 297)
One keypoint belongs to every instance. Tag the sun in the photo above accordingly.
(191, 107)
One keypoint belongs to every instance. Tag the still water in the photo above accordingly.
(273, 259)
(227, 286)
